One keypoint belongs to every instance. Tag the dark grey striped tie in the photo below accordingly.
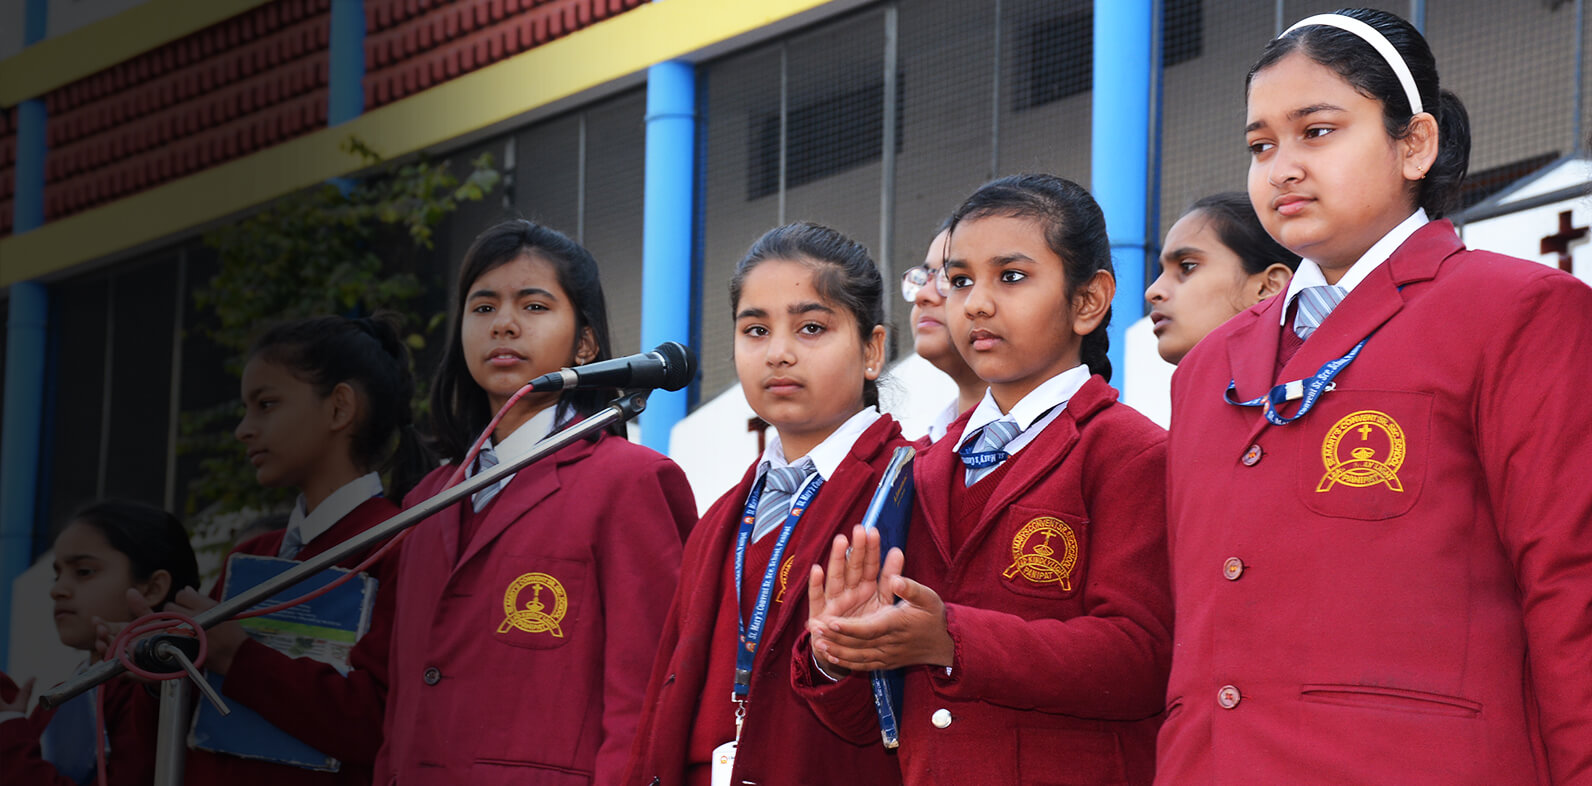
(485, 460)
(778, 487)
(1315, 303)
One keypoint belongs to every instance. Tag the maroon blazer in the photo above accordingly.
(1396, 587)
(1061, 655)
(340, 716)
(782, 742)
(130, 715)
(520, 657)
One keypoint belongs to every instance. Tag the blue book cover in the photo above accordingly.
(324, 629)
(890, 512)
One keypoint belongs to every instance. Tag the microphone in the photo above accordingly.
(671, 367)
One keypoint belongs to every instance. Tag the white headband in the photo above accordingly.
(1377, 42)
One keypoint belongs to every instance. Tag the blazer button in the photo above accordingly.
(941, 718)
(1252, 456)
(432, 676)
(1228, 697)
(1232, 568)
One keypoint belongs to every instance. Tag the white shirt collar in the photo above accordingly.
(826, 457)
(1048, 400)
(1309, 273)
(525, 437)
(942, 422)
(332, 509)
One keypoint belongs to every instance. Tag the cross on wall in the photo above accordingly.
(1560, 243)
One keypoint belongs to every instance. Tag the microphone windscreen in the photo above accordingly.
(679, 362)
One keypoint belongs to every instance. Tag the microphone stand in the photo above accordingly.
(174, 709)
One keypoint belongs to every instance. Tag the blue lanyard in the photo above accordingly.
(1309, 389)
(752, 634)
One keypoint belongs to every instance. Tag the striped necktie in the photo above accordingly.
(484, 461)
(1315, 303)
(991, 438)
(778, 487)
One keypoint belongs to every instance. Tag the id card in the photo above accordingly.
(723, 763)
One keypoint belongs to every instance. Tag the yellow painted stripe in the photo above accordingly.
(609, 50)
(64, 59)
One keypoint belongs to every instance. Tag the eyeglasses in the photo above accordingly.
(916, 278)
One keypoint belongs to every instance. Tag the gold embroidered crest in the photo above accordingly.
(535, 617)
(1036, 560)
(784, 576)
(1354, 458)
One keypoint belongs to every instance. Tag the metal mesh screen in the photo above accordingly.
(547, 187)
(615, 182)
(1513, 66)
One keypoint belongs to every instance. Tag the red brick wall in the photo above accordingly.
(411, 45)
(252, 81)
(259, 79)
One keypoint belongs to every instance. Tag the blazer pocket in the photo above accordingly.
(489, 772)
(1363, 453)
(1070, 757)
(1375, 697)
(539, 608)
(1042, 552)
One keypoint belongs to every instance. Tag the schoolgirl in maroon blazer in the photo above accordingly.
(528, 614)
(1036, 625)
(109, 553)
(809, 345)
(326, 407)
(1382, 555)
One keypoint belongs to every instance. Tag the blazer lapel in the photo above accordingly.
(931, 482)
(522, 494)
(1252, 350)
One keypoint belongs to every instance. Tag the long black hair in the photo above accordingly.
(1368, 72)
(843, 274)
(151, 538)
(459, 408)
(370, 355)
(1237, 226)
(1074, 229)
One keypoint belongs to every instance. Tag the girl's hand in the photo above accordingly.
(224, 639)
(909, 633)
(24, 693)
(849, 589)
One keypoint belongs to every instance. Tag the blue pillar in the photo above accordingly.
(1119, 152)
(346, 62)
(667, 221)
(27, 322)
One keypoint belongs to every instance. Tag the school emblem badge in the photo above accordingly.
(1034, 553)
(1363, 449)
(535, 616)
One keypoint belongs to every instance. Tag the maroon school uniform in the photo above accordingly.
(338, 715)
(688, 709)
(1396, 587)
(130, 716)
(1056, 594)
(520, 654)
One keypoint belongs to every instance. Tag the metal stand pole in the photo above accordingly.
(171, 750)
(627, 406)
